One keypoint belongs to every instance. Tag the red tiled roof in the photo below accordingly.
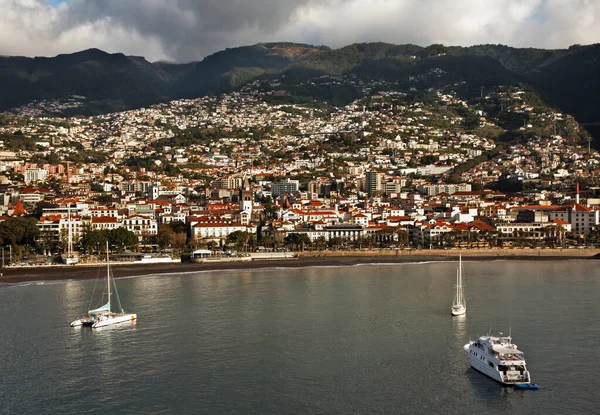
(462, 226)
(104, 219)
(53, 218)
(161, 202)
(217, 225)
(398, 218)
(30, 190)
(581, 208)
(19, 209)
(482, 225)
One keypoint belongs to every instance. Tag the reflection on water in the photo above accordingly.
(370, 339)
(502, 398)
(459, 326)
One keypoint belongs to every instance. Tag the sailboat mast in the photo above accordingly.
(462, 290)
(69, 231)
(459, 284)
(460, 268)
(457, 300)
(108, 275)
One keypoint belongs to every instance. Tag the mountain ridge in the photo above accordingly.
(114, 81)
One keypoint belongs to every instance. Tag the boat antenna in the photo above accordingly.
(509, 331)
(490, 332)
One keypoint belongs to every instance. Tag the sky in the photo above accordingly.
(188, 30)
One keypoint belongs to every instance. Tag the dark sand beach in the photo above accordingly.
(13, 275)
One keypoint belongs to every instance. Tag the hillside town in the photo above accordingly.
(252, 170)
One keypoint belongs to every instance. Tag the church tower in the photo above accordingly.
(246, 200)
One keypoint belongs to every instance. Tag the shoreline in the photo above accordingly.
(307, 259)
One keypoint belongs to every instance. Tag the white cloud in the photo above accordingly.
(189, 29)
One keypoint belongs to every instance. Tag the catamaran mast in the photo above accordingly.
(108, 275)
(69, 232)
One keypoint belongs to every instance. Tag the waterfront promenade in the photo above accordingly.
(20, 274)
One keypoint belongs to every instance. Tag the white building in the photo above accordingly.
(581, 218)
(141, 226)
(436, 189)
(218, 230)
(285, 186)
(34, 175)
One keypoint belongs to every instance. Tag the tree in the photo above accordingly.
(320, 243)
(177, 226)
(165, 237)
(120, 238)
(336, 242)
(19, 231)
(429, 159)
(296, 240)
(94, 240)
(239, 238)
(179, 241)
(271, 211)
(266, 241)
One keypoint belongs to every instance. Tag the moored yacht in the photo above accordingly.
(499, 358)
(111, 312)
(459, 306)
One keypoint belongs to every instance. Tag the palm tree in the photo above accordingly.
(320, 243)
(267, 241)
(297, 240)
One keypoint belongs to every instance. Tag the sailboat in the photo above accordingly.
(459, 306)
(111, 312)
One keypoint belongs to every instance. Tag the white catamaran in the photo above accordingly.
(459, 306)
(104, 315)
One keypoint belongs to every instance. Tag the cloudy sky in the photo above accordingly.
(185, 30)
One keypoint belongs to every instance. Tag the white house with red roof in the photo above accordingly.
(141, 225)
(172, 217)
(31, 195)
(360, 219)
(218, 230)
(105, 222)
(102, 211)
(582, 219)
(399, 220)
(54, 227)
(429, 232)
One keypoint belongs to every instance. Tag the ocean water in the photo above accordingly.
(370, 339)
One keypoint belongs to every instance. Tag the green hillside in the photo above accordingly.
(564, 78)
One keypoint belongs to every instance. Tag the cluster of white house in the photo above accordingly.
(350, 220)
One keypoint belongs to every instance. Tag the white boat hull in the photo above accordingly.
(103, 320)
(71, 261)
(459, 306)
(482, 365)
(106, 321)
(103, 315)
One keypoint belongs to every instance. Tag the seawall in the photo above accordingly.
(499, 253)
